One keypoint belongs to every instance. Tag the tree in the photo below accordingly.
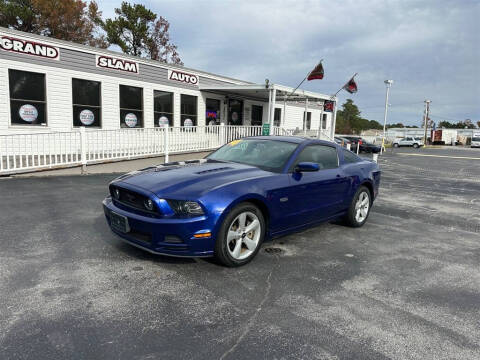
(349, 120)
(18, 15)
(138, 32)
(446, 125)
(478, 124)
(70, 20)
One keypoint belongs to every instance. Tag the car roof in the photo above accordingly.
(292, 139)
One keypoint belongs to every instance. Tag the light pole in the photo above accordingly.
(388, 84)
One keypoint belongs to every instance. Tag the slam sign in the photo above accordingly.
(183, 77)
(117, 64)
(29, 47)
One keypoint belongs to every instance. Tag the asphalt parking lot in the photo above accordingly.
(404, 286)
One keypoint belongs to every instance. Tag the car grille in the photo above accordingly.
(131, 199)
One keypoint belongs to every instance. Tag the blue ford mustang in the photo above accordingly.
(247, 191)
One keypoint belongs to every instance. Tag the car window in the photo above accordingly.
(270, 155)
(325, 156)
(350, 157)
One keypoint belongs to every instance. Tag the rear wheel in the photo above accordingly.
(240, 236)
(415, 146)
(359, 208)
(395, 145)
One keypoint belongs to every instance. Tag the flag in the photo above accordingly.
(316, 73)
(351, 86)
(328, 106)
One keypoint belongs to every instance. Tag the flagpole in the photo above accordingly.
(303, 80)
(344, 85)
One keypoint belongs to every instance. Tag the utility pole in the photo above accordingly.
(425, 122)
(388, 84)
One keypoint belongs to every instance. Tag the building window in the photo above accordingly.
(308, 122)
(28, 104)
(86, 103)
(131, 106)
(277, 116)
(324, 121)
(257, 114)
(163, 108)
(188, 110)
(212, 114)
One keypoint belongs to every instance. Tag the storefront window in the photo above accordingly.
(131, 106)
(86, 103)
(324, 121)
(309, 120)
(163, 108)
(257, 114)
(212, 114)
(277, 116)
(27, 98)
(188, 110)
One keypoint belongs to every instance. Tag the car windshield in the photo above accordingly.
(270, 155)
(476, 138)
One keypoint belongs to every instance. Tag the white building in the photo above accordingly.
(49, 85)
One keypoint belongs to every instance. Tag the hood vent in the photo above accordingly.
(213, 170)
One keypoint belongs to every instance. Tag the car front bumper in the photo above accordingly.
(165, 236)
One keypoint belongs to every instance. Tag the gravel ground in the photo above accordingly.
(404, 286)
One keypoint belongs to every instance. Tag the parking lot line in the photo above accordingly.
(442, 156)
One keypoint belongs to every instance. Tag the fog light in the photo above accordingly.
(148, 204)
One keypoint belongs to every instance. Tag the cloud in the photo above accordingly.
(430, 48)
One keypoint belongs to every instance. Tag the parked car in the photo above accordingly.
(408, 141)
(369, 147)
(246, 192)
(475, 140)
(353, 141)
(364, 145)
(342, 141)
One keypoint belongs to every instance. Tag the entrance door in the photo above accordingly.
(257, 113)
(235, 112)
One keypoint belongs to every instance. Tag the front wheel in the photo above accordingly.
(395, 145)
(240, 236)
(359, 208)
(415, 146)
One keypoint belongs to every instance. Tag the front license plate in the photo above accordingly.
(119, 222)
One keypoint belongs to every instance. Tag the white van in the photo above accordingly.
(475, 140)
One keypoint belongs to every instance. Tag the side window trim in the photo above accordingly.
(292, 167)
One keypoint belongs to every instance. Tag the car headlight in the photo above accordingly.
(116, 193)
(148, 204)
(182, 207)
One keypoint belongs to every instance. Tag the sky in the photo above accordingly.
(429, 48)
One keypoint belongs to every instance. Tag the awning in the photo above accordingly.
(262, 92)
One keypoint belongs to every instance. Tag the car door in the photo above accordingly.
(317, 195)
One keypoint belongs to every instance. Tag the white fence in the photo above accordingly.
(31, 152)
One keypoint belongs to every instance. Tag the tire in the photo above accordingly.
(415, 146)
(355, 216)
(395, 145)
(236, 246)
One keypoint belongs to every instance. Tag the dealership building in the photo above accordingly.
(49, 85)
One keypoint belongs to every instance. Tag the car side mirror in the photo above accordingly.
(306, 167)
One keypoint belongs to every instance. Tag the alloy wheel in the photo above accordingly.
(361, 207)
(243, 235)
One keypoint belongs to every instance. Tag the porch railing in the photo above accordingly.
(31, 152)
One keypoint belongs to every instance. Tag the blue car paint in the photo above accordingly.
(291, 201)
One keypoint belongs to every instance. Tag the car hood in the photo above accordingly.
(189, 180)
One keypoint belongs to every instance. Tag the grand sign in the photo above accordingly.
(183, 77)
(28, 47)
(116, 64)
